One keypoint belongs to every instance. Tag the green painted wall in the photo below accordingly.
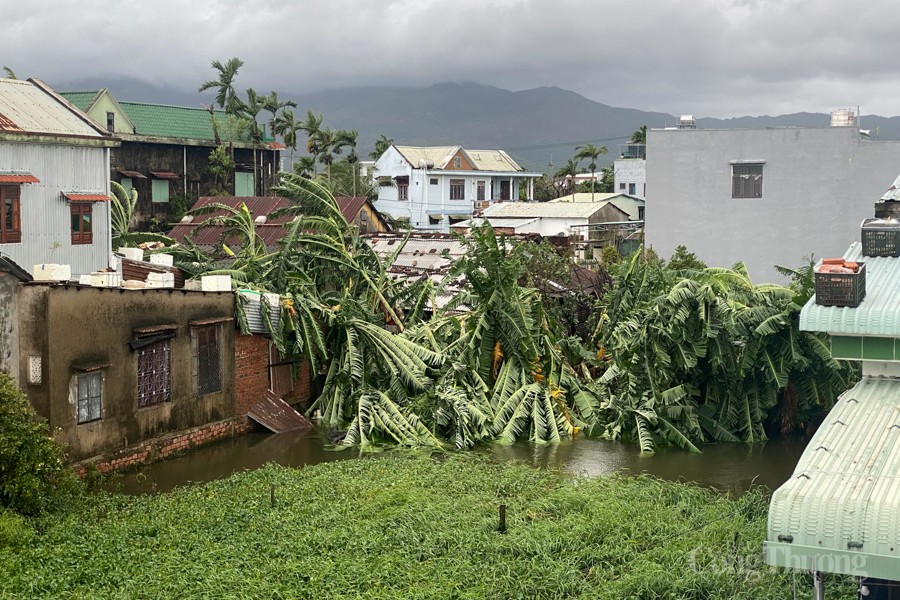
(243, 184)
(865, 348)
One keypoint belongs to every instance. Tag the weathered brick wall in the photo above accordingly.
(251, 371)
(301, 395)
(163, 447)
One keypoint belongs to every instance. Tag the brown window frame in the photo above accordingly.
(84, 235)
(457, 189)
(207, 359)
(10, 200)
(480, 191)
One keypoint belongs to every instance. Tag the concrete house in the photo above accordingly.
(630, 171)
(763, 196)
(145, 363)
(435, 187)
(165, 152)
(54, 180)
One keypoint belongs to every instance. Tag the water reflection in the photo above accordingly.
(729, 467)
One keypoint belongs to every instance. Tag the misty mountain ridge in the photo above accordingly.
(539, 127)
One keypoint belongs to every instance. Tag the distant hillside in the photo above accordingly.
(536, 126)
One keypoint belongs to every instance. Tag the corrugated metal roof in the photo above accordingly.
(132, 174)
(18, 178)
(586, 197)
(85, 197)
(840, 511)
(893, 192)
(421, 253)
(877, 314)
(270, 232)
(562, 210)
(82, 100)
(164, 175)
(25, 107)
(493, 160)
(497, 222)
(496, 161)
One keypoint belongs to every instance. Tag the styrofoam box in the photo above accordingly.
(52, 272)
(132, 253)
(192, 284)
(161, 277)
(161, 259)
(159, 284)
(215, 283)
(105, 279)
(84, 279)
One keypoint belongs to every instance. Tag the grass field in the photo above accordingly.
(401, 525)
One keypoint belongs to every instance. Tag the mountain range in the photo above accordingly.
(539, 127)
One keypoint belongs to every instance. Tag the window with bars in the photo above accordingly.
(457, 189)
(82, 232)
(746, 181)
(10, 220)
(402, 188)
(207, 359)
(479, 191)
(90, 386)
(154, 373)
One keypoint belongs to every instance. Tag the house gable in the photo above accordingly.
(458, 161)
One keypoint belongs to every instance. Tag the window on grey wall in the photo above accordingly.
(632, 188)
(746, 181)
(89, 396)
(207, 359)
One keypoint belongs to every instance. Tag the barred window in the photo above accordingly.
(89, 397)
(207, 359)
(457, 189)
(746, 181)
(154, 373)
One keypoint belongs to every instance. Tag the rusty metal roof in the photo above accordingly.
(132, 174)
(18, 178)
(72, 197)
(165, 175)
(32, 108)
(276, 415)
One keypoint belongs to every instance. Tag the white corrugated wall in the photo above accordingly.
(46, 218)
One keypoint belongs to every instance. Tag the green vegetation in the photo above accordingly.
(33, 477)
(405, 526)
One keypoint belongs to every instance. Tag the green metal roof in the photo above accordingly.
(840, 511)
(159, 120)
(80, 99)
(878, 313)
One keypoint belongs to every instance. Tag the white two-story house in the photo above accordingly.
(435, 187)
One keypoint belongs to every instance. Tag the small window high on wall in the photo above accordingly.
(746, 180)
(82, 226)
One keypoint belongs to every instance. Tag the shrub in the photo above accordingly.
(610, 256)
(14, 530)
(33, 475)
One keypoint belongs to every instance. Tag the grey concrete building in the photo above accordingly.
(762, 196)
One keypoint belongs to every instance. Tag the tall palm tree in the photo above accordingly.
(287, 126)
(639, 136)
(590, 152)
(305, 167)
(224, 85)
(347, 139)
(324, 142)
(250, 111)
(311, 126)
(273, 104)
(381, 144)
(567, 173)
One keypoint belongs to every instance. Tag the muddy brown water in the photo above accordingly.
(728, 467)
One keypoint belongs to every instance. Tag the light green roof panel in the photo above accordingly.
(877, 314)
(840, 511)
(80, 99)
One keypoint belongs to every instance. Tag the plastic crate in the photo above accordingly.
(841, 289)
(880, 241)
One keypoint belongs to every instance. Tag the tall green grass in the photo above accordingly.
(403, 526)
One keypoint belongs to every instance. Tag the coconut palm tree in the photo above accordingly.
(273, 104)
(305, 167)
(347, 139)
(287, 126)
(311, 126)
(590, 152)
(224, 85)
(639, 136)
(381, 144)
(249, 111)
(567, 173)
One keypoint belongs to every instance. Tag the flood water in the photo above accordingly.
(729, 467)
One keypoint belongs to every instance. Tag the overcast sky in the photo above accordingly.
(717, 58)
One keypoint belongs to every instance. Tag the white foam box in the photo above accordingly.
(215, 283)
(132, 253)
(84, 279)
(159, 285)
(161, 259)
(193, 285)
(52, 272)
(105, 279)
(168, 278)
